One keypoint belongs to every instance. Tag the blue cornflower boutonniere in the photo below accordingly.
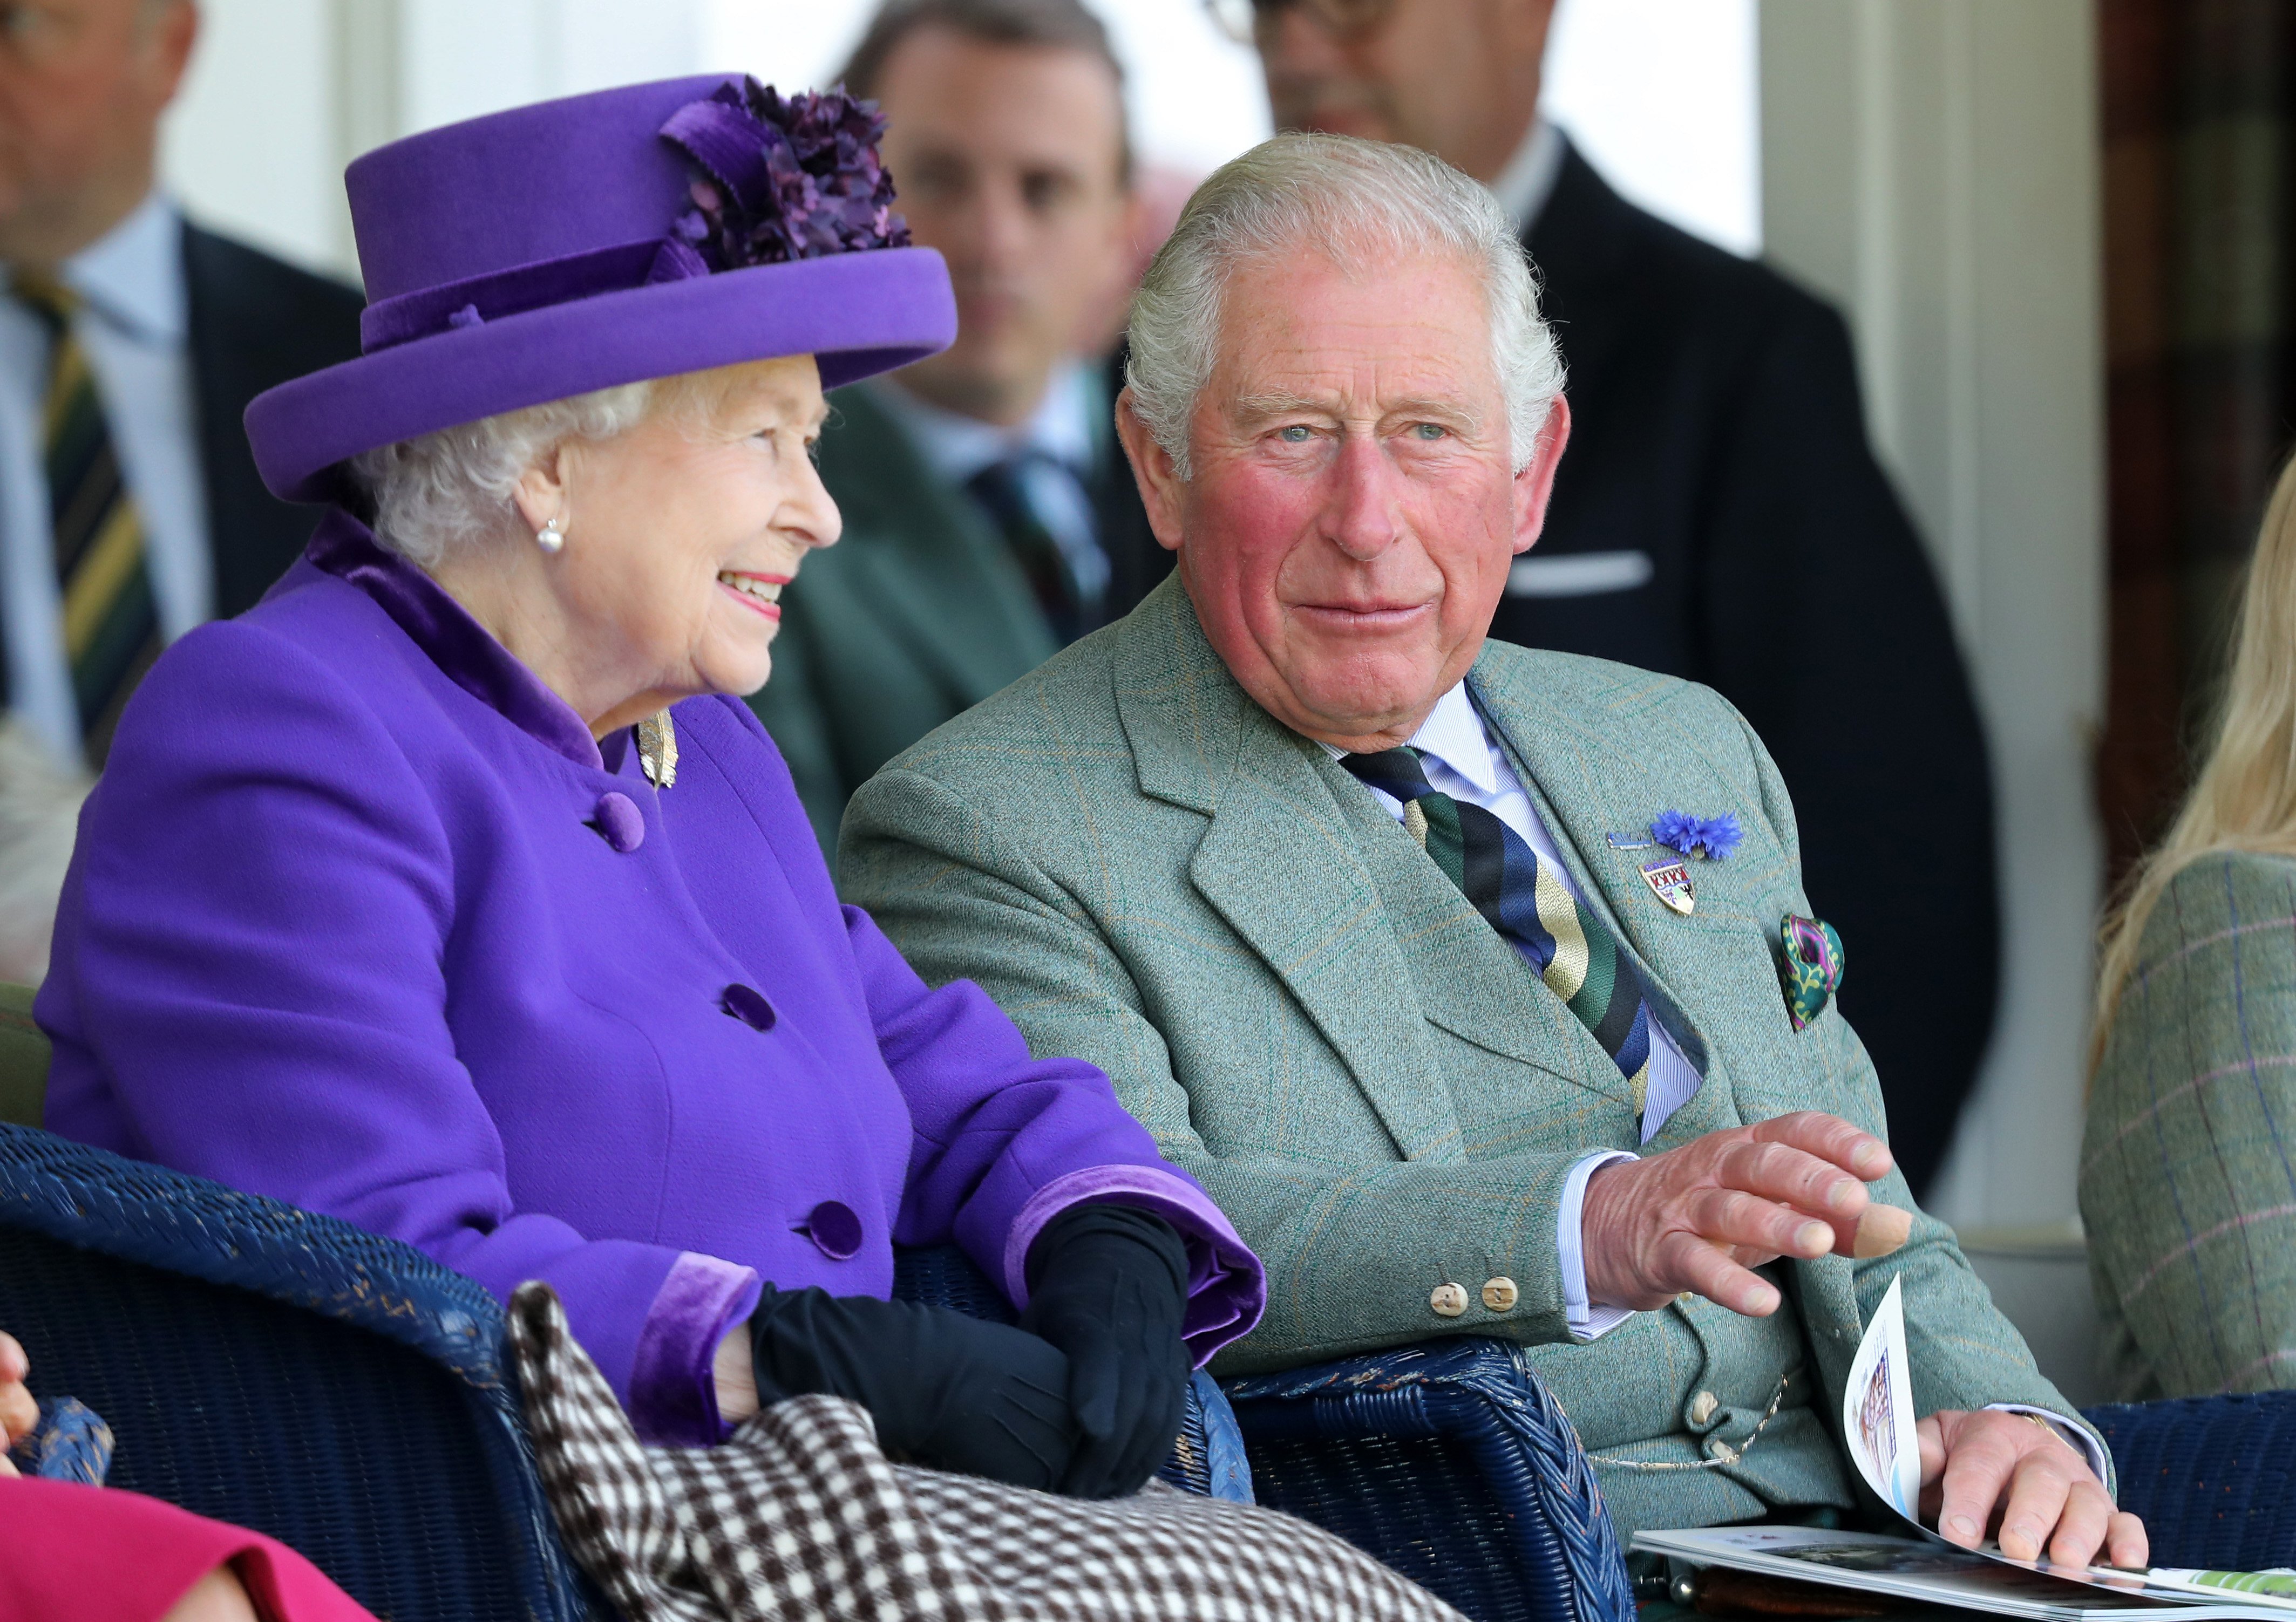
(1711, 837)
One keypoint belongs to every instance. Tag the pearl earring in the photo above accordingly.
(551, 534)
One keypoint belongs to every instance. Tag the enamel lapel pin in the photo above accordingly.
(1712, 838)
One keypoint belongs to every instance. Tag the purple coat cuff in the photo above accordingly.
(672, 1381)
(1228, 1288)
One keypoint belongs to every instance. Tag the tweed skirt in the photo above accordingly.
(801, 1517)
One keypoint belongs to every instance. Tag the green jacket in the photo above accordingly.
(2188, 1170)
(917, 614)
(1147, 871)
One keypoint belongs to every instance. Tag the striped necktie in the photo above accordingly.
(110, 618)
(1569, 948)
(1002, 490)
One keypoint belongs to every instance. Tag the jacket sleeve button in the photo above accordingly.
(1500, 1295)
(1702, 1406)
(1448, 1300)
(748, 1004)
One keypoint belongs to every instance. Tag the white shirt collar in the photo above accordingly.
(1528, 181)
(956, 446)
(133, 276)
(1453, 734)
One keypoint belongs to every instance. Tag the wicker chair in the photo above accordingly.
(2214, 1478)
(1449, 1461)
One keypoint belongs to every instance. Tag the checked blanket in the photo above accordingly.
(801, 1517)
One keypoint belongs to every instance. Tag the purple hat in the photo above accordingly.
(601, 239)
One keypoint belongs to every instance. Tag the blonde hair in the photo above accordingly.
(2245, 797)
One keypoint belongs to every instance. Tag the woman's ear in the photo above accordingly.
(1161, 484)
(540, 495)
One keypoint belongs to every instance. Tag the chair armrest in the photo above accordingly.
(1450, 1461)
(1207, 1457)
(283, 1369)
(2212, 1477)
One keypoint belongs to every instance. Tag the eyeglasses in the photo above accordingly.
(1240, 20)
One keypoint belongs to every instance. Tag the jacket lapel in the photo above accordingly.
(1279, 861)
(1582, 791)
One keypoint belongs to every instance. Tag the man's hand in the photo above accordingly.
(1978, 1468)
(1700, 1218)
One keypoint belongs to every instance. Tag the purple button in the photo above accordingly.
(620, 821)
(748, 1004)
(832, 1225)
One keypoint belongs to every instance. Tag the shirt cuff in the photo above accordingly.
(2079, 1441)
(1584, 1320)
(1228, 1288)
(673, 1378)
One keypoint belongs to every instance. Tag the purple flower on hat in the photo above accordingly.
(1715, 836)
(777, 179)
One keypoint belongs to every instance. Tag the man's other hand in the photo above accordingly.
(1703, 1216)
(1981, 1469)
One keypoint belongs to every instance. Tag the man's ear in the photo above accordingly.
(1161, 487)
(174, 32)
(1533, 486)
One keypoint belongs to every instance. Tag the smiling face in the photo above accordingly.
(1352, 511)
(680, 535)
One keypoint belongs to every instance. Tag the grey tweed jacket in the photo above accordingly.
(2188, 1171)
(1147, 871)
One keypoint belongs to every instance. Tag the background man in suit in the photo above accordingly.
(130, 343)
(1352, 906)
(1719, 517)
(989, 516)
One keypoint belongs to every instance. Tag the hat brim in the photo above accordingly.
(857, 314)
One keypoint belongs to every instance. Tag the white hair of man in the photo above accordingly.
(1355, 202)
(455, 487)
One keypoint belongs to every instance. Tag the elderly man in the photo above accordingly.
(1720, 518)
(1363, 913)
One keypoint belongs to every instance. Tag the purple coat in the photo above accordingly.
(356, 921)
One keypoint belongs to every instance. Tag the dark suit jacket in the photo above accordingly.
(920, 611)
(1717, 429)
(254, 323)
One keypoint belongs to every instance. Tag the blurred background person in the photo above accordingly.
(2187, 1187)
(1718, 516)
(990, 516)
(130, 342)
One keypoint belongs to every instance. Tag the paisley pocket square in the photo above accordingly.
(1809, 967)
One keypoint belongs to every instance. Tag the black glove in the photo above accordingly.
(1108, 1285)
(946, 1390)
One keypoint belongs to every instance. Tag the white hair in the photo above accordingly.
(1351, 200)
(452, 487)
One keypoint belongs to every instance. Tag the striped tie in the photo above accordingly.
(110, 618)
(1569, 948)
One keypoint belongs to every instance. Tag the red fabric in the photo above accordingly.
(71, 1553)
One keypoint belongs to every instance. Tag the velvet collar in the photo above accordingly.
(462, 648)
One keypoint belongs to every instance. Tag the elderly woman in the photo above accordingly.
(454, 890)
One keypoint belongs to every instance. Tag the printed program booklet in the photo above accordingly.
(1918, 1566)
